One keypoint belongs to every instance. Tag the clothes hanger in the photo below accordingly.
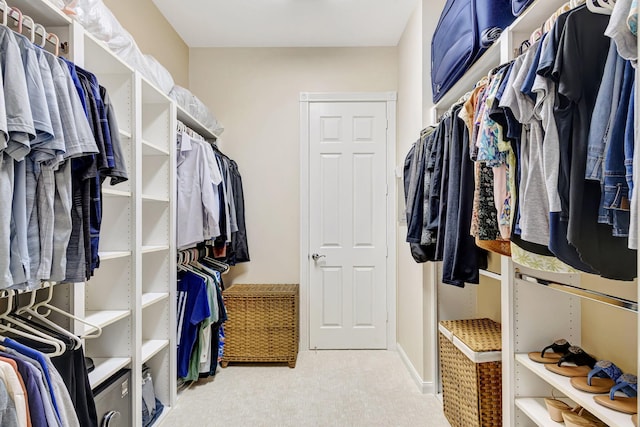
(29, 311)
(31, 333)
(220, 266)
(71, 342)
(55, 40)
(575, 3)
(31, 326)
(25, 19)
(5, 12)
(46, 304)
(43, 41)
(32, 27)
(13, 10)
(599, 7)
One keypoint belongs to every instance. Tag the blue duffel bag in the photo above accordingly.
(465, 30)
(518, 6)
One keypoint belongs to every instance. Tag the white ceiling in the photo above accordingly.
(288, 23)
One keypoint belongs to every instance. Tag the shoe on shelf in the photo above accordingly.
(600, 379)
(627, 384)
(555, 408)
(558, 349)
(580, 417)
(583, 363)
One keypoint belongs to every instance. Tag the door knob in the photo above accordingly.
(316, 257)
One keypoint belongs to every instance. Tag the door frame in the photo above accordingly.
(306, 98)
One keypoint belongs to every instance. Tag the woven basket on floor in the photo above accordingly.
(472, 392)
(262, 324)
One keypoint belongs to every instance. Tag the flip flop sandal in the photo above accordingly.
(559, 348)
(600, 380)
(584, 363)
(627, 384)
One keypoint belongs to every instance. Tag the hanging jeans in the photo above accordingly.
(615, 198)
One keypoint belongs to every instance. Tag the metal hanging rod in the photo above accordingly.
(611, 300)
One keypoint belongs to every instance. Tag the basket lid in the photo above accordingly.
(260, 289)
(480, 335)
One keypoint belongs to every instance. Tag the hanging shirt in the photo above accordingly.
(619, 31)
(42, 363)
(38, 374)
(534, 202)
(8, 414)
(582, 55)
(46, 159)
(192, 291)
(195, 194)
(83, 173)
(240, 244)
(16, 391)
(632, 19)
(25, 247)
(79, 141)
(30, 375)
(212, 227)
(68, 416)
(118, 172)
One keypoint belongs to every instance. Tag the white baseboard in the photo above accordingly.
(426, 387)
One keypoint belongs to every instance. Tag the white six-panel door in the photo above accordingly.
(347, 222)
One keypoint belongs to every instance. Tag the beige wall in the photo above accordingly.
(610, 333)
(410, 327)
(154, 35)
(255, 93)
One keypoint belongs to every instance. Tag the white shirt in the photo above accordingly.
(216, 179)
(195, 210)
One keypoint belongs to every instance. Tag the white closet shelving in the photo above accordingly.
(132, 295)
(157, 168)
(109, 298)
(532, 314)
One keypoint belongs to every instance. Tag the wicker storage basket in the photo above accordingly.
(262, 324)
(471, 367)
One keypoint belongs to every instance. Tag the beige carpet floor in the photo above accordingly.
(326, 388)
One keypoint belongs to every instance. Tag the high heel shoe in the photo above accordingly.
(555, 408)
(580, 417)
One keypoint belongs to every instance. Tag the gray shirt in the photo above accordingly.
(18, 111)
(618, 30)
(19, 126)
(534, 202)
(68, 416)
(545, 89)
(8, 414)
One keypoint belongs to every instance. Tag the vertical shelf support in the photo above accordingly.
(508, 340)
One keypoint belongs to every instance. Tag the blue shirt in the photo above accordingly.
(76, 83)
(192, 295)
(527, 86)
